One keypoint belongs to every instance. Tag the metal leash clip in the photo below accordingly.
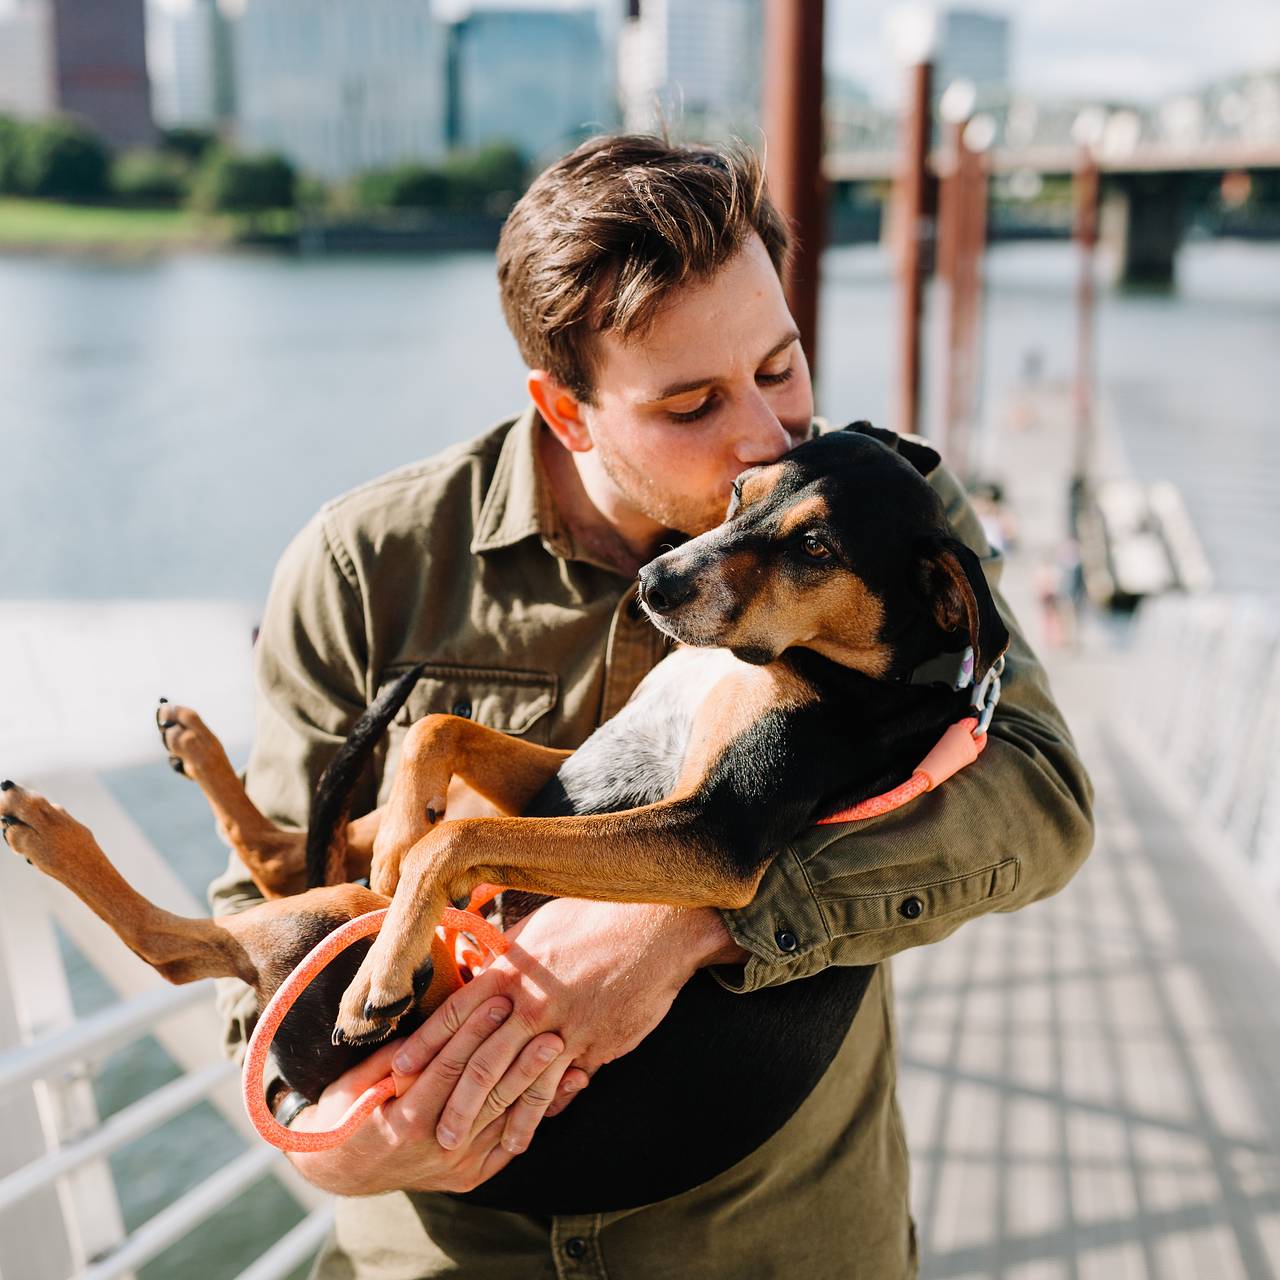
(985, 695)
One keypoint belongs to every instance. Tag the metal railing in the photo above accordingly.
(1205, 700)
(55, 1179)
(65, 1055)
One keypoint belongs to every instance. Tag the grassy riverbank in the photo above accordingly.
(51, 226)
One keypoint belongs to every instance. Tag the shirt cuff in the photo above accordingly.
(782, 927)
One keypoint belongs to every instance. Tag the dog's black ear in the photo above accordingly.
(952, 579)
(921, 456)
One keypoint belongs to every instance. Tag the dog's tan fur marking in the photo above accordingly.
(805, 512)
(845, 617)
(736, 703)
(840, 618)
(759, 484)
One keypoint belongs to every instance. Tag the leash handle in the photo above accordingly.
(255, 1102)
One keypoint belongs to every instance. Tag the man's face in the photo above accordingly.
(719, 383)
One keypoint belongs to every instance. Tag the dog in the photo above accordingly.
(804, 623)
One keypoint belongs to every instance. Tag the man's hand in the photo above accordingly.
(396, 1148)
(602, 975)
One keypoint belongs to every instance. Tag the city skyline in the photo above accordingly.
(1060, 48)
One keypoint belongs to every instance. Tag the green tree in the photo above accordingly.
(157, 178)
(487, 181)
(408, 186)
(191, 144)
(230, 183)
(10, 143)
(63, 159)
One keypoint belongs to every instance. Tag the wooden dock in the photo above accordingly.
(1091, 1086)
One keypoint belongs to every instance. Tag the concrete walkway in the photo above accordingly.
(1091, 1086)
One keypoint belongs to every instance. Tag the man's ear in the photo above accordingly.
(920, 455)
(951, 577)
(560, 409)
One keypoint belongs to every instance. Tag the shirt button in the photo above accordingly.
(786, 940)
(462, 708)
(575, 1247)
(911, 907)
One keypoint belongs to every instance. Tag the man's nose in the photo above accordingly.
(762, 438)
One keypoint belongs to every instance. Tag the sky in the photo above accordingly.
(1131, 49)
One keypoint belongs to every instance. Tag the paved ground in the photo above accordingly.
(1091, 1085)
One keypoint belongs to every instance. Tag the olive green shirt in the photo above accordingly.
(462, 562)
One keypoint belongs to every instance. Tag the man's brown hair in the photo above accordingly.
(604, 235)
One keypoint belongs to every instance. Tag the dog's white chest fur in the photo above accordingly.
(636, 757)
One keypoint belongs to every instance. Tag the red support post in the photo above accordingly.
(794, 130)
(1085, 184)
(911, 206)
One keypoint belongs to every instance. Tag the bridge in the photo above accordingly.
(1156, 162)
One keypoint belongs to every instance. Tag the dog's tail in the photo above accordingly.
(331, 804)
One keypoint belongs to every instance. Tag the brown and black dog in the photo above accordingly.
(810, 623)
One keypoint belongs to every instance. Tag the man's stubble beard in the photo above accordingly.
(684, 515)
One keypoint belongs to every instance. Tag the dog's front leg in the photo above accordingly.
(437, 751)
(661, 853)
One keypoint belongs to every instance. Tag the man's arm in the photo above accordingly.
(1008, 830)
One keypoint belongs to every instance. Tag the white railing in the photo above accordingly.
(80, 680)
(1205, 699)
(53, 1168)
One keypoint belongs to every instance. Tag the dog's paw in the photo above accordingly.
(369, 1014)
(194, 750)
(42, 832)
(362, 1019)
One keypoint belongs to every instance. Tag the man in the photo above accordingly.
(642, 284)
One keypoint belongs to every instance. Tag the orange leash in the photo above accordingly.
(957, 747)
(455, 925)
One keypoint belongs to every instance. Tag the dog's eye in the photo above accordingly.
(814, 547)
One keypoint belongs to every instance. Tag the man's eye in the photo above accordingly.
(773, 379)
(814, 547)
(693, 415)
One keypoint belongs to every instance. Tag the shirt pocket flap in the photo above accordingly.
(510, 701)
(918, 904)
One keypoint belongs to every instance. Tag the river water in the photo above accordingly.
(167, 425)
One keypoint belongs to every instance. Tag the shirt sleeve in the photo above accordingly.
(1008, 830)
(310, 676)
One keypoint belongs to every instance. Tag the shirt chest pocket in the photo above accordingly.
(514, 702)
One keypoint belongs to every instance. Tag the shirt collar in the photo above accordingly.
(518, 503)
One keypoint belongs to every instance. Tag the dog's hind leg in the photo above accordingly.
(275, 858)
(260, 946)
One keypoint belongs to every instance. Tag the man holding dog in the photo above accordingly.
(642, 284)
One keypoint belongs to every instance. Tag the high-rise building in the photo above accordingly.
(533, 77)
(339, 87)
(973, 46)
(26, 88)
(693, 65)
(85, 58)
(188, 59)
(100, 67)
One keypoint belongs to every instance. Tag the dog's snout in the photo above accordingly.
(662, 591)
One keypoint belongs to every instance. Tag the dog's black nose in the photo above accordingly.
(662, 591)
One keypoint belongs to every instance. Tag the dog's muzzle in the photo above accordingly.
(663, 591)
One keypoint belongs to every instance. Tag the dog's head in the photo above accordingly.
(841, 547)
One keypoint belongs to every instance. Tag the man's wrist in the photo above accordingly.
(712, 941)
